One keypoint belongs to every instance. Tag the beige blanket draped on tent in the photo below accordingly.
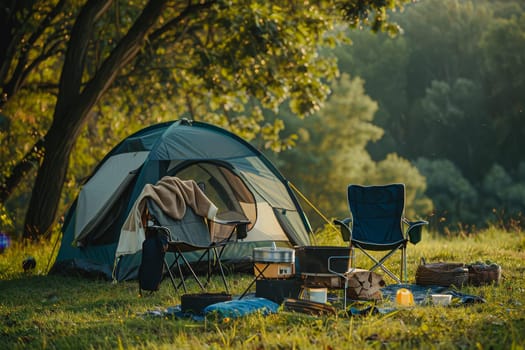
(172, 195)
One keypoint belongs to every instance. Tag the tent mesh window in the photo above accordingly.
(225, 189)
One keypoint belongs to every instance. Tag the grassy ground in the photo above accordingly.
(48, 312)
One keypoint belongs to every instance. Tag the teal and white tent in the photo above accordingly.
(236, 177)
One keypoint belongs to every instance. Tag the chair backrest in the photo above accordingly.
(192, 228)
(377, 212)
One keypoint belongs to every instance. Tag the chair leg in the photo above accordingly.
(171, 276)
(223, 277)
(404, 274)
(194, 275)
(181, 274)
(182, 283)
(379, 263)
(352, 257)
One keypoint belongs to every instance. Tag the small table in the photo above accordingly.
(264, 257)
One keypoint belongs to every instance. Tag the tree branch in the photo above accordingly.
(30, 160)
(189, 10)
(124, 52)
(71, 77)
(22, 68)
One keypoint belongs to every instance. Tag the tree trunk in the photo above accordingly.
(73, 107)
(49, 182)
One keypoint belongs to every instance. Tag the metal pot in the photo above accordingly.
(273, 255)
(322, 259)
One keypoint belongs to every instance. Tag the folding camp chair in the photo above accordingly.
(377, 224)
(194, 234)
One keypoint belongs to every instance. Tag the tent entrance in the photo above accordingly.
(104, 228)
(222, 186)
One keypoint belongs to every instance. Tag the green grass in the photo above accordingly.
(50, 312)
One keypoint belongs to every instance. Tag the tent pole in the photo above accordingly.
(53, 251)
(313, 206)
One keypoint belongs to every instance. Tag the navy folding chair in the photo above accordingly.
(377, 224)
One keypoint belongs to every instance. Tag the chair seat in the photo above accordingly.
(184, 247)
(378, 246)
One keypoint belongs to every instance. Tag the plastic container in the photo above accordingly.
(195, 303)
(315, 259)
(278, 290)
(404, 297)
(441, 299)
(318, 295)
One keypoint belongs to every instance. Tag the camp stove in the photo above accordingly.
(274, 262)
(323, 266)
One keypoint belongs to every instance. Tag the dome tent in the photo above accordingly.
(226, 164)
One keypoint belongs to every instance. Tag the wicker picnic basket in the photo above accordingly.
(480, 274)
(442, 274)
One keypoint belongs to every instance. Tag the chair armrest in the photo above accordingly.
(344, 226)
(231, 218)
(239, 223)
(414, 230)
(230, 222)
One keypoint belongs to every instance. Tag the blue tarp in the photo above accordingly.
(422, 294)
(422, 297)
(238, 308)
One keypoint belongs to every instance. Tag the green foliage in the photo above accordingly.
(503, 50)
(457, 203)
(216, 61)
(396, 169)
(454, 198)
(373, 13)
(26, 118)
(457, 111)
(239, 58)
(328, 153)
(450, 88)
(504, 196)
(6, 222)
(331, 153)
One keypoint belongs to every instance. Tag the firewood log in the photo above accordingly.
(365, 285)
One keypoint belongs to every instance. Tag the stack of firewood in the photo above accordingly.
(364, 285)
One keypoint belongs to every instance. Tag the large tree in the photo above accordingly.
(219, 55)
(331, 153)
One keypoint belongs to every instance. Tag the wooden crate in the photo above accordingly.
(275, 270)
